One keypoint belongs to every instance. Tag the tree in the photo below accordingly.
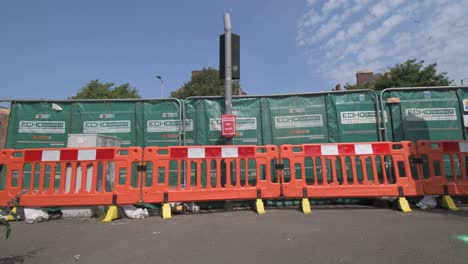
(204, 83)
(410, 73)
(96, 90)
(358, 86)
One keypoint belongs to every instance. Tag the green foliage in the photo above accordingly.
(358, 86)
(204, 83)
(7, 226)
(412, 73)
(96, 90)
(5, 212)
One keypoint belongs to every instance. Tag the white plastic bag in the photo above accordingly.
(428, 202)
(135, 213)
(35, 215)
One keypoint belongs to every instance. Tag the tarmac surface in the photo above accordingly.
(333, 235)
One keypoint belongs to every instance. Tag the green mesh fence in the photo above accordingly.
(137, 122)
(294, 119)
(462, 94)
(117, 119)
(161, 123)
(38, 125)
(205, 114)
(353, 116)
(418, 114)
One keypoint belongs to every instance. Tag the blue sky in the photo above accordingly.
(49, 49)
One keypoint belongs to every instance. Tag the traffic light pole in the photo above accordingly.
(227, 69)
(227, 84)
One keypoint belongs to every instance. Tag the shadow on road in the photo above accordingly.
(463, 212)
(19, 259)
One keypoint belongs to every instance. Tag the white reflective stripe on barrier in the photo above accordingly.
(463, 146)
(363, 149)
(51, 155)
(330, 150)
(87, 154)
(196, 153)
(229, 153)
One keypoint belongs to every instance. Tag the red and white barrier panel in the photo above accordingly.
(347, 149)
(453, 147)
(68, 155)
(211, 152)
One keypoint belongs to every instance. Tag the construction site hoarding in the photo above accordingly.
(205, 115)
(38, 125)
(422, 114)
(294, 119)
(46, 124)
(161, 122)
(117, 119)
(4, 116)
(354, 116)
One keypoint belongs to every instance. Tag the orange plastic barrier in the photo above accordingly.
(444, 166)
(70, 176)
(348, 170)
(208, 173)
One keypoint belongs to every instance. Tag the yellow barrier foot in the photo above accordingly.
(448, 203)
(12, 215)
(112, 214)
(305, 206)
(166, 211)
(259, 207)
(403, 205)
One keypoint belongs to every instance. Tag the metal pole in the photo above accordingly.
(227, 84)
(162, 84)
(227, 68)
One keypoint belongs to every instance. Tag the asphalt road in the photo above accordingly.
(358, 235)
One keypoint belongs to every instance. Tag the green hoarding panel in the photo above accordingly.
(463, 102)
(117, 119)
(161, 121)
(294, 119)
(248, 121)
(38, 125)
(191, 108)
(205, 114)
(420, 114)
(352, 117)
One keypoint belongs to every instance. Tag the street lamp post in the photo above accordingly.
(463, 80)
(162, 85)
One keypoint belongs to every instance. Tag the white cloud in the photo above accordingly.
(315, 25)
(385, 6)
(311, 2)
(328, 28)
(333, 4)
(346, 36)
(377, 34)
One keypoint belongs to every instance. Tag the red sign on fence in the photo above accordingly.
(228, 125)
